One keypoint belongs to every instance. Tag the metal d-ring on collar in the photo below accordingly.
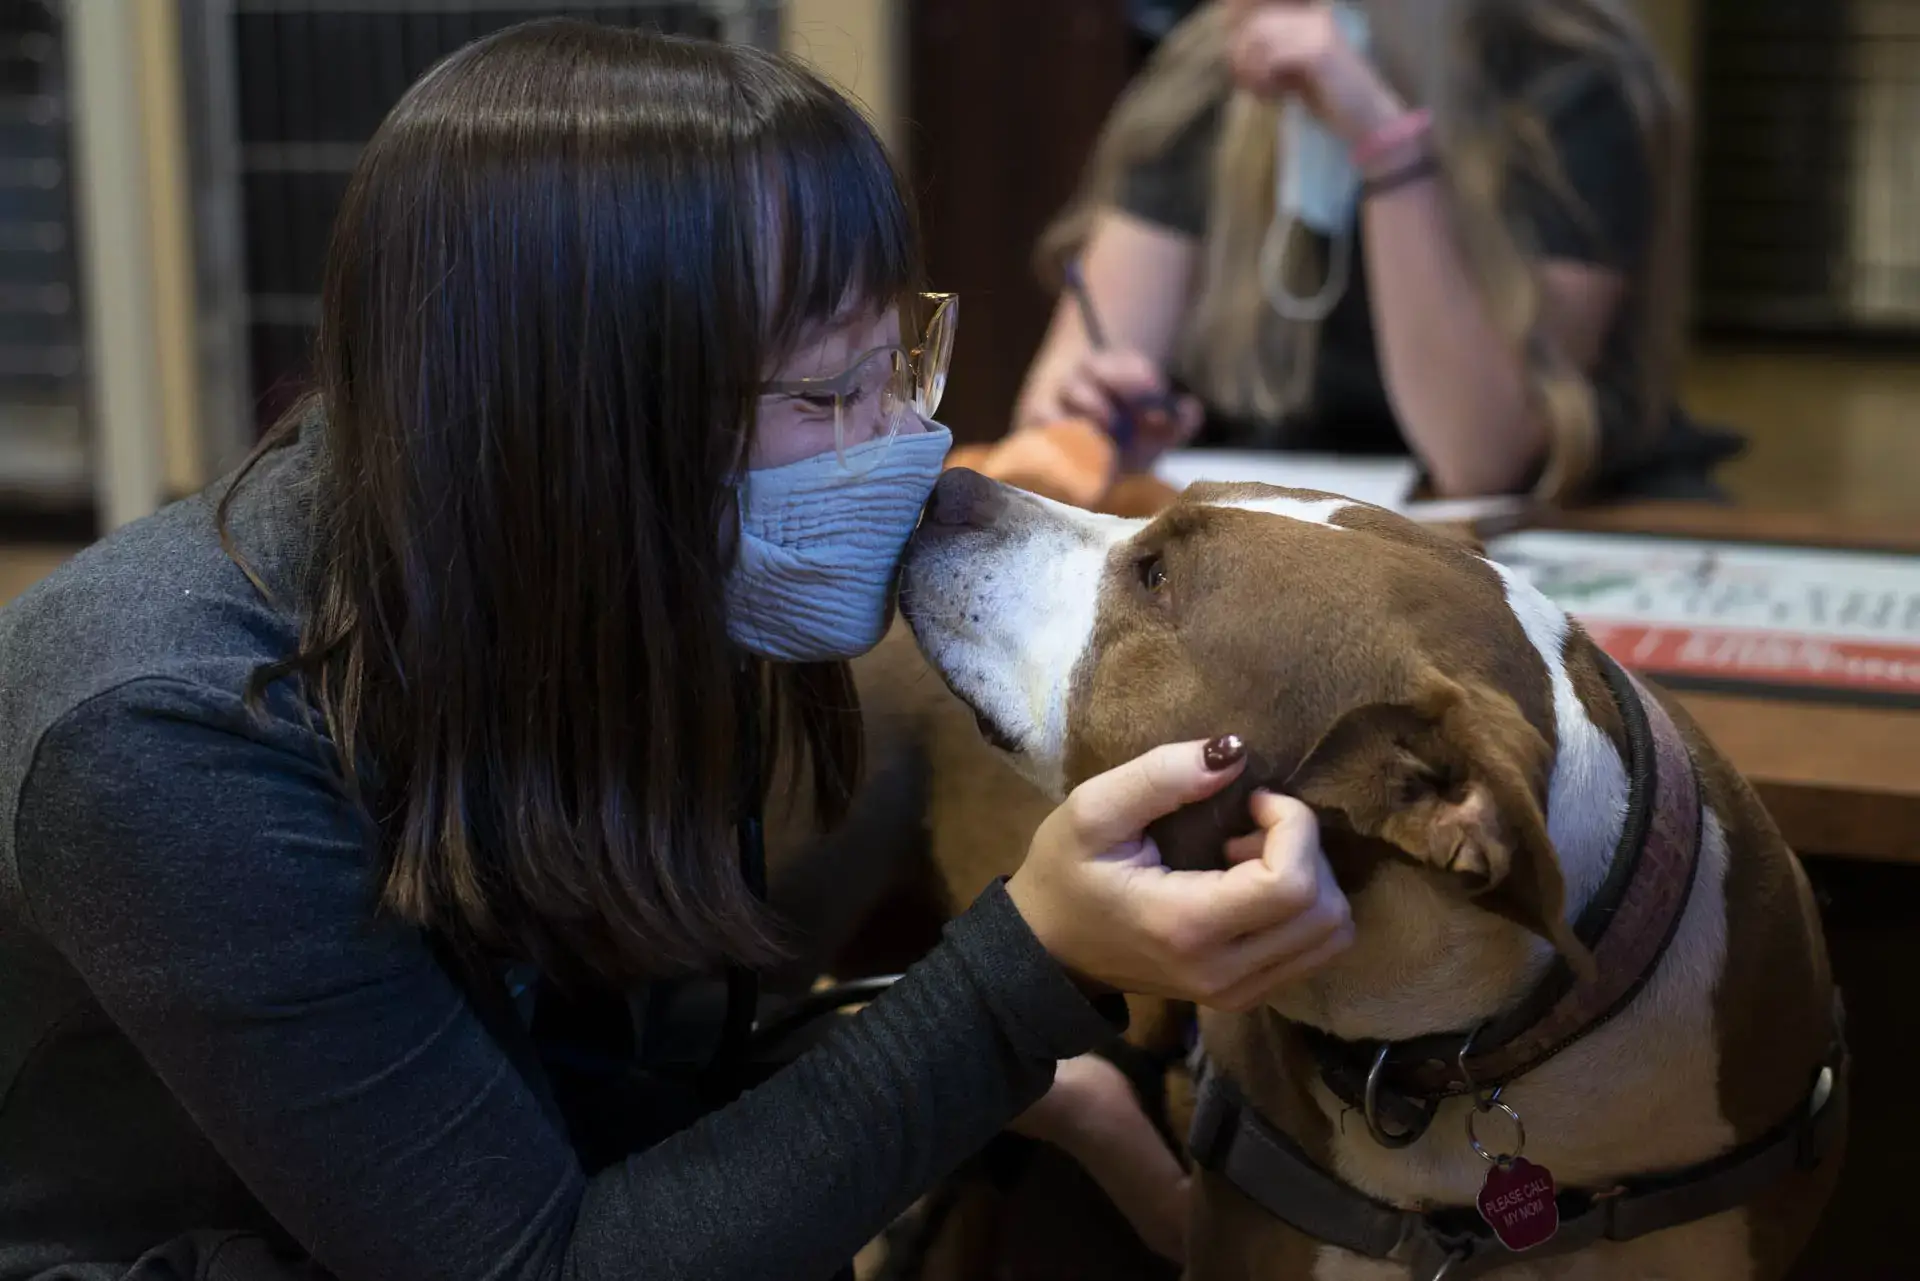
(1370, 1102)
(1370, 1108)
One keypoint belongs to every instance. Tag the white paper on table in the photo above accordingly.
(1384, 482)
(1861, 596)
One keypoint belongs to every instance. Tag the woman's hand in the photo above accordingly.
(1092, 1115)
(1139, 277)
(1097, 385)
(1095, 893)
(1280, 47)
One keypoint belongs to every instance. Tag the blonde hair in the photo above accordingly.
(1244, 358)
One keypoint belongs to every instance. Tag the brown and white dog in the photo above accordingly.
(1469, 758)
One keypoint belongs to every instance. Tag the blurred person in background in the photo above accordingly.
(1446, 227)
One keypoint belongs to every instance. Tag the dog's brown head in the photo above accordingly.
(1382, 673)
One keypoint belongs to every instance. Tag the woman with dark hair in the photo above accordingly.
(618, 432)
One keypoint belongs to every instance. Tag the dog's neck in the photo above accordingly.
(1588, 792)
(1435, 964)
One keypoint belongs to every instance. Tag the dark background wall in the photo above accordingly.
(1005, 98)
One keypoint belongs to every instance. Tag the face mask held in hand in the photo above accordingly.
(820, 547)
(1317, 188)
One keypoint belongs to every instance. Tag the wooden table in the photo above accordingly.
(1844, 785)
(1840, 781)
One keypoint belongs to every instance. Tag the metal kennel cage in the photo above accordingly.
(1808, 202)
(43, 439)
(283, 93)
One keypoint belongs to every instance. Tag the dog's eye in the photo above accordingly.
(1153, 573)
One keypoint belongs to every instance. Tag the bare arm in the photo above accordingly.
(1140, 276)
(1456, 384)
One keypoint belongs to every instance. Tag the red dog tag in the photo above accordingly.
(1517, 1203)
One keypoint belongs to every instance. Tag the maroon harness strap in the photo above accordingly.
(1626, 926)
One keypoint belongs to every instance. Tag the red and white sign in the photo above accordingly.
(1767, 657)
(1813, 619)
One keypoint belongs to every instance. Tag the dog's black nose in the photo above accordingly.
(964, 498)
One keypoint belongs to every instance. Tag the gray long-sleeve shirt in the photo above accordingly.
(211, 1049)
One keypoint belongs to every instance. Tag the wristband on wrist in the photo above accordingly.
(1404, 128)
(1406, 175)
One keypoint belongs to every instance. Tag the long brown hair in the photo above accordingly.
(558, 276)
(1245, 358)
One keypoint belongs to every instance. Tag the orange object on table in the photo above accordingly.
(1071, 461)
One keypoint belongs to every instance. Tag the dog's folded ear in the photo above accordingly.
(1453, 778)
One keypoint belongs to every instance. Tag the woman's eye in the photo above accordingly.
(1153, 573)
(819, 404)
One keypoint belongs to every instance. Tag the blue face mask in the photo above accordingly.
(820, 547)
(1318, 188)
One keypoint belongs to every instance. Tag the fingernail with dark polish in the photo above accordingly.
(1224, 751)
